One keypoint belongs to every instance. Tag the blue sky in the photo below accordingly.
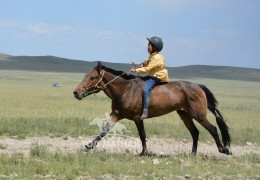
(205, 32)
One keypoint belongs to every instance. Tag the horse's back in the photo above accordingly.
(175, 94)
(167, 98)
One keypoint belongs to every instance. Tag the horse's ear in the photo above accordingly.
(98, 68)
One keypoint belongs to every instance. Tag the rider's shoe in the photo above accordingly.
(145, 114)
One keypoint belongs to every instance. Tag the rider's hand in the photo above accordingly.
(133, 70)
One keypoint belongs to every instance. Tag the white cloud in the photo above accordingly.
(106, 34)
(7, 23)
(50, 30)
(39, 28)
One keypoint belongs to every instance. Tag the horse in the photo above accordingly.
(190, 100)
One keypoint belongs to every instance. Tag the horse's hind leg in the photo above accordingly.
(213, 131)
(187, 119)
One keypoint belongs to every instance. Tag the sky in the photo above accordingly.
(194, 32)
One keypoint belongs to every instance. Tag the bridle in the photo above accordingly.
(97, 88)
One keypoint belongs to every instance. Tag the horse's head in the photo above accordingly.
(92, 83)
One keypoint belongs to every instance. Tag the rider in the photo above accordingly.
(154, 66)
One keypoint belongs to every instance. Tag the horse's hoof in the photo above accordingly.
(225, 150)
(228, 152)
(143, 153)
(86, 148)
(146, 153)
(193, 153)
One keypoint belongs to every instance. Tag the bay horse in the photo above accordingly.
(190, 100)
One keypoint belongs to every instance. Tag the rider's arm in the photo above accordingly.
(154, 63)
(145, 63)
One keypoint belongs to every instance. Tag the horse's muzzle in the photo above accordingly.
(77, 96)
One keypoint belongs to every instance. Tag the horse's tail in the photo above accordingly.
(212, 106)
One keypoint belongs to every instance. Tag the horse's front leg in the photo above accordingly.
(111, 121)
(140, 126)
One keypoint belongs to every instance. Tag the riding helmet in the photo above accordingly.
(156, 42)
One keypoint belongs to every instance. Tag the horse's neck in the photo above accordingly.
(115, 85)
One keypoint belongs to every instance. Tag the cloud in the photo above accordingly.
(40, 28)
(106, 34)
(44, 29)
(22, 28)
(7, 23)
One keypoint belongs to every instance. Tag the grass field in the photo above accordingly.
(30, 107)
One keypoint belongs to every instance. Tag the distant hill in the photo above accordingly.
(57, 64)
(4, 56)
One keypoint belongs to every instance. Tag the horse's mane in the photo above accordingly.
(119, 73)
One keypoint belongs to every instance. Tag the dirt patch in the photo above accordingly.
(118, 144)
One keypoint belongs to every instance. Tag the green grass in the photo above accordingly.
(30, 106)
(42, 164)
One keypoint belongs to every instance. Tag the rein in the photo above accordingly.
(114, 79)
(98, 87)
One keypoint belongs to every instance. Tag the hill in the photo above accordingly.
(57, 64)
(4, 56)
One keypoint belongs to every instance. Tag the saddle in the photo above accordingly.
(144, 78)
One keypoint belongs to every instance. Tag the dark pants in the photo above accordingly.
(150, 83)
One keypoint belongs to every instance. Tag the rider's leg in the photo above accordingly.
(149, 85)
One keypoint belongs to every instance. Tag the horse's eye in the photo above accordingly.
(92, 78)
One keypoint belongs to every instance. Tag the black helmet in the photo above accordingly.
(156, 42)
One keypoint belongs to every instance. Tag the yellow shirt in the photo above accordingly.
(155, 66)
